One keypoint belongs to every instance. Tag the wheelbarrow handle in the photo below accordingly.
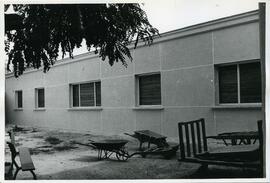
(138, 152)
(88, 145)
(132, 135)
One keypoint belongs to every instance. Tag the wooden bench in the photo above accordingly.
(24, 155)
(193, 148)
(11, 136)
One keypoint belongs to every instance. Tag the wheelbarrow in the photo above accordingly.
(150, 137)
(106, 148)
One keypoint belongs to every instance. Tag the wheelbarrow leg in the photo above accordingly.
(149, 142)
(99, 154)
(140, 145)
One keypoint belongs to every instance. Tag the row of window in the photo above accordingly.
(238, 83)
(89, 94)
(39, 98)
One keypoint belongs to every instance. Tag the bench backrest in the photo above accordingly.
(11, 136)
(12, 150)
(192, 138)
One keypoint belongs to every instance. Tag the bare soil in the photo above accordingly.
(59, 154)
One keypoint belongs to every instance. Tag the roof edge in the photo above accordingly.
(214, 22)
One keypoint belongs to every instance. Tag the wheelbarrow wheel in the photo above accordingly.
(122, 155)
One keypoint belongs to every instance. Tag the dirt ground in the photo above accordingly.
(59, 154)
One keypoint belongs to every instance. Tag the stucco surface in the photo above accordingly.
(85, 70)
(118, 69)
(118, 92)
(147, 61)
(117, 121)
(187, 52)
(172, 116)
(187, 67)
(236, 43)
(188, 87)
(240, 119)
(147, 119)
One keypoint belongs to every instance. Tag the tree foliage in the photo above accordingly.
(44, 30)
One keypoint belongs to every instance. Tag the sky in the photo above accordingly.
(169, 15)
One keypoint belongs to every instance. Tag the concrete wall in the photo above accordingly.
(187, 66)
(239, 43)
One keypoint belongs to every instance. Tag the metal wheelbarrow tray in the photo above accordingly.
(150, 137)
(166, 152)
(106, 148)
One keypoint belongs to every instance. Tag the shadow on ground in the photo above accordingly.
(135, 168)
(140, 168)
(214, 172)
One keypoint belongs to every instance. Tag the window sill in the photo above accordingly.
(18, 109)
(151, 107)
(39, 109)
(85, 109)
(238, 106)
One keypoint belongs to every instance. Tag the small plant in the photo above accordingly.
(53, 140)
(17, 129)
(35, 130)
(64, 146)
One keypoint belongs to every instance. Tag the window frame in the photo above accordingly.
(36, 98)
(95, 97)
(16, 100)
(137, 92)
(217, 93)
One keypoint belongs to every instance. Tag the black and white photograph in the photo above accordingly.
(135, 90)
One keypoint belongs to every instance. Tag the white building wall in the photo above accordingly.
(187, 66)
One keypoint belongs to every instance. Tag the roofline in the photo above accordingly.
(215, 21)
(221, 23)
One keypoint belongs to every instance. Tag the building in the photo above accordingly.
(210, 70)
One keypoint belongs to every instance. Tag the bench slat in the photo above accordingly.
(26, 160)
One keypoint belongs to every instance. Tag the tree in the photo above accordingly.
(40, 31)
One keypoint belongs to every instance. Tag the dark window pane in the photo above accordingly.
(87, 94)
(149, 88)
(228, 84)
(75, 92)
(41, 102)
(98, 94)
(250, 83)
(19, 99)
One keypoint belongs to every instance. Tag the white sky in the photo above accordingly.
(168, 15)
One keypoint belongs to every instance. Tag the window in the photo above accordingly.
(149, 89)
(86, 94)
(18, 99)
(240, 83)
(40, 97)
